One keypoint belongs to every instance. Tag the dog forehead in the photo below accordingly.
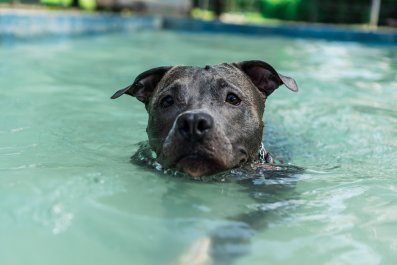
(201, 75)
(231, 73)
(181, 74)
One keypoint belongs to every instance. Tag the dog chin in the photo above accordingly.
(197, 166)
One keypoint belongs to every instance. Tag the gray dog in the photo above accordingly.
(206, 120)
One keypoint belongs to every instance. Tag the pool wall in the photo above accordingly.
(25, 24)
(297, 31)
(15, 24)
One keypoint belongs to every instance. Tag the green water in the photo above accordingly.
(69, 194)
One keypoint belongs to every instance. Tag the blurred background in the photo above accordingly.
(352, 12)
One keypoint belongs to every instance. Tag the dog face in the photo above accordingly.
(206, 120)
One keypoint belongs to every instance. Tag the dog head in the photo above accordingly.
(206, 120)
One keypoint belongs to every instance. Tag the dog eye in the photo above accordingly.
(166, 102)
(233, 99)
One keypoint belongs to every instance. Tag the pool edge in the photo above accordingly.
(15, 24)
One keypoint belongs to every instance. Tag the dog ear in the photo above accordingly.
(264, 77)
(144, 84)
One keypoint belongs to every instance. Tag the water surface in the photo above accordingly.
(69, 194)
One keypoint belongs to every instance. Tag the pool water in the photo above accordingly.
(70, 195)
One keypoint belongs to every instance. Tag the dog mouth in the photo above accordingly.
(212, 154)
(199, 160)
(199, 164)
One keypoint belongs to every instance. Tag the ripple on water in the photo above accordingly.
(66, 184)
(51, 201)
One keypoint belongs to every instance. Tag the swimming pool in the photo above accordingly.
(69, 194)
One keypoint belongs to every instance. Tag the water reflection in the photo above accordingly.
(270, 186)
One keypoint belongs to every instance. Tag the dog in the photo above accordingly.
(205, 120)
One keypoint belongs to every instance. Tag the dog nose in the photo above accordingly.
(194, 126)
